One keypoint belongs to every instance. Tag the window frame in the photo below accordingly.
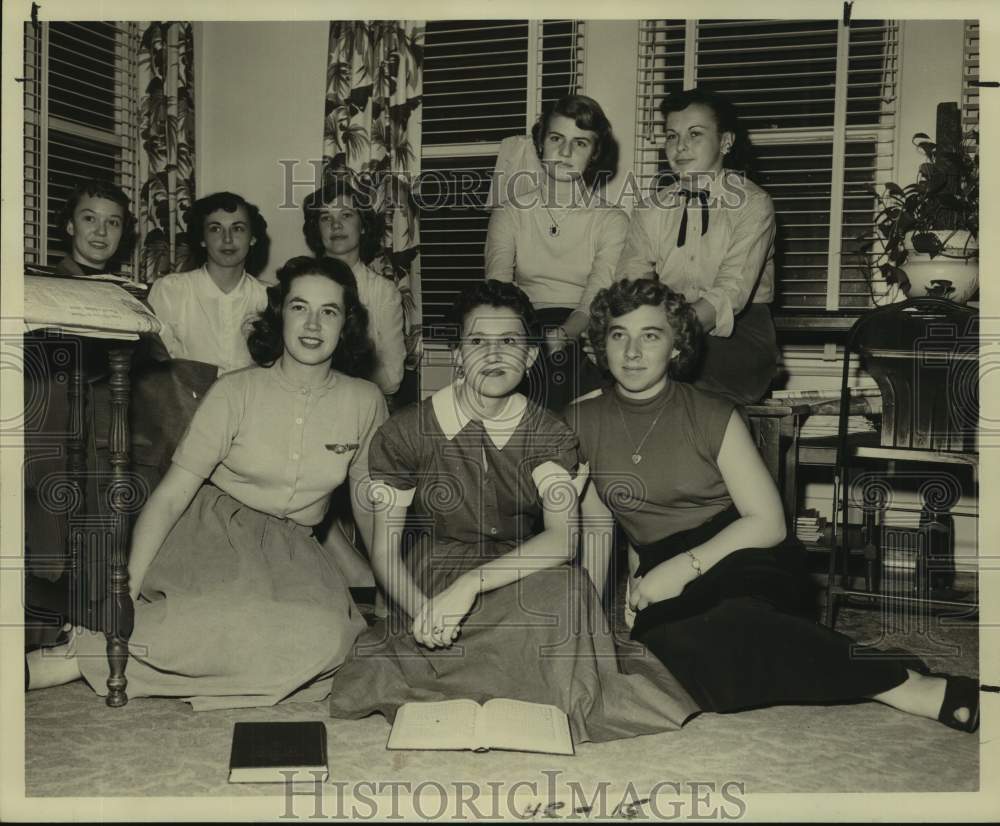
(675, 60)
(456, 152)
(38, 122)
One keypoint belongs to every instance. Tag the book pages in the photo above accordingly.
(519, 726)
(446, 725)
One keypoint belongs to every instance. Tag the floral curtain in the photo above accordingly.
(374, 84)
(166, 162)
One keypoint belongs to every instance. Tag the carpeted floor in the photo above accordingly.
(76, 746)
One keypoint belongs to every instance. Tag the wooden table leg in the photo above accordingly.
(76, 470)
(121, 496)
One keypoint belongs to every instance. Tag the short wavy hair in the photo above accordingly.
(492, 293)
(101, 188)
(198, 213)
(587, 114)
(624, 296)
(355, 353)
(740, 156)
(334, 187)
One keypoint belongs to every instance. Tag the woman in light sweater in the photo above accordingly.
(560, 241)
(338, 225)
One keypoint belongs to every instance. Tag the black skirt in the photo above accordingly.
(736, 637)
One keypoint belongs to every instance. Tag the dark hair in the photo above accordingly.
(740, 155)
(333, 188)
(198, 213)
(624, 296)
(101, 188)
(587, 114)
(493, 293)
(355, 354)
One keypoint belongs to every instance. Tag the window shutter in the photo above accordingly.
(818, 99)
(970, 76)
(80, 121)
(484, 81)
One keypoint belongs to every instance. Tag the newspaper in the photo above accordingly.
(83, 307)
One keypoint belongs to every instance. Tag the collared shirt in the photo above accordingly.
(476, 482)
(729, 266)
(384, 303)
(202, 323)
(565, 270)
(279, 447)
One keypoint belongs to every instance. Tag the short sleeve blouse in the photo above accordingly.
(278, 447)
(470, 488)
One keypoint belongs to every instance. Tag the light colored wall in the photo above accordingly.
(260, 100)
(612, 55)
(931, 73)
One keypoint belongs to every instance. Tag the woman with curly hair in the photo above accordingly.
(489, 602)
(709, 235)
(679, 471)
(338, 225)
(236, 603)
(560, 241)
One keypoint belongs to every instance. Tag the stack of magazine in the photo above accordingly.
(865, 403)
(809, 525)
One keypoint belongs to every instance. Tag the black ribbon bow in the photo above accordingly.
(687, 194)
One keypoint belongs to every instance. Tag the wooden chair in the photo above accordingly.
(924, 355)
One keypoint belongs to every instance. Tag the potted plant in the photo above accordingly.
(928, 232)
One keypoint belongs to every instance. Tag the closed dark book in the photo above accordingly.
(278, 753)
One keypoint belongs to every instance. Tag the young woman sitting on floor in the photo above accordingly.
(488, 604)
(236, 603)
(680, 472)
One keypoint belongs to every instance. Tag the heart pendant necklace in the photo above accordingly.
(637, 450)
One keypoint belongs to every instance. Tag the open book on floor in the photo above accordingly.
(511, 725)
(278, 753)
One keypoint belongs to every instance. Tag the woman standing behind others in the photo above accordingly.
(710, 237)
(560, 241)
(207, 312)
(337, 224)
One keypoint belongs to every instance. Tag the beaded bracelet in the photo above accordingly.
(695, 562)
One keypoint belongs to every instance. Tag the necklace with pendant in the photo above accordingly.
(636, 454)
(554, 228)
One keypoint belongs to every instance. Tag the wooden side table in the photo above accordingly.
(121, 497)
(775, 429)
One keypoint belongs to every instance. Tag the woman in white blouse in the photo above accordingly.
(560, 241)
(338, 224)
(710, 236)
(207, 312)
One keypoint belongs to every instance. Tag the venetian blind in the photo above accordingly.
(80, 121)
(484, 80)
(970, 76)
(818, 99)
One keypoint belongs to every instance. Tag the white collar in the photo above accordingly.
(453, 419)
(209, 286)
